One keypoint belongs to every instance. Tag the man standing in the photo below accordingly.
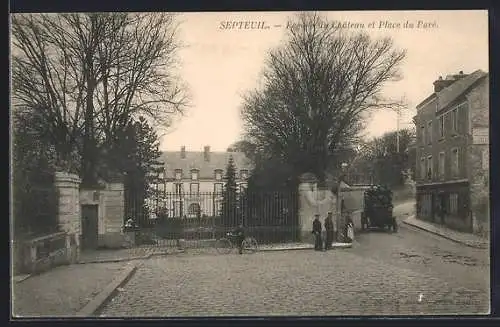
(329, 231)
(318, 244)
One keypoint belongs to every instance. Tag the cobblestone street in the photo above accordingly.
(426, 253)
(409, 272)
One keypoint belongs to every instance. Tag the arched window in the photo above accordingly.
(194, 209)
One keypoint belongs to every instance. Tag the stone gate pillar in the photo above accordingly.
(313, 201)
(68, 187)
(305, 212)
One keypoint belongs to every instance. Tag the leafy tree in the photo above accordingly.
(316, 89)
(230, 197)
(135, 155)
(34, 195)
(380, 158)
(248, 148)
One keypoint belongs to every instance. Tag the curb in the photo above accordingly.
(107, 293)
(123, 259)
(21, 278)
(472, 245)
(115, 260)
(285, 249)
(308, 247)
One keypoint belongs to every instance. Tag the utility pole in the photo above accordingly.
(398, 112)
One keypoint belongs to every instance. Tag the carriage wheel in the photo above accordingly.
(223, 246)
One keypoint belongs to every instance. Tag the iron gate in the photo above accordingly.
(199, 219)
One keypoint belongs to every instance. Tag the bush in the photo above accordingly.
(35, 204)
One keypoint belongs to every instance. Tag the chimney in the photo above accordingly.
(207, 153)
(183, 152)
(441, 83)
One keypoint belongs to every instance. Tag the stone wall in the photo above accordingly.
(479, 99)
(478, 157)
(354, 203)
(111, 210)
(479, 188)
(114, 211)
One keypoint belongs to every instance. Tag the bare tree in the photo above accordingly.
(381, 158)
(90, 74)
(316, 89)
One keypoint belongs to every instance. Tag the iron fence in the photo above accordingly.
(200, 218)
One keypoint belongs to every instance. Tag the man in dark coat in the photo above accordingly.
(329, 231)
(318, 243)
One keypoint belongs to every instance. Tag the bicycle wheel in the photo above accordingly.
(223, 246)
(250, 245)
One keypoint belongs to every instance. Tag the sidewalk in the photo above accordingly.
(459, 237)
(64, 291)
(136, 253)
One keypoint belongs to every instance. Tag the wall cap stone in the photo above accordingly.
(308, 178)
(64, 177)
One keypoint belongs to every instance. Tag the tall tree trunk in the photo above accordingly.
(89, 148)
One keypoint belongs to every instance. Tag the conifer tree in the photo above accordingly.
(230, 196)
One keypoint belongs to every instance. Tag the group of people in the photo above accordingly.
(329, 228)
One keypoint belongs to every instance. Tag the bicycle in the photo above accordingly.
(225, 245)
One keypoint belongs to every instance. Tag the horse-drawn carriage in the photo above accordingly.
(378, 207)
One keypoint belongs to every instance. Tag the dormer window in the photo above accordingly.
(178, 174)
(194, 174)
(218, 175)
(244, 174)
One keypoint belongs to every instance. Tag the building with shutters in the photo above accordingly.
(452, 153)
(192, 181)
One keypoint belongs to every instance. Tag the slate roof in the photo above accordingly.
(449, 94)
(429, 100)
(196, 159)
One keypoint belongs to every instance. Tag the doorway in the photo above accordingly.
(89, 226)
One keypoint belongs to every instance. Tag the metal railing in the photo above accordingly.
(203, 217)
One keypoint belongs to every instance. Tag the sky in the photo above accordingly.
(220, 64)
